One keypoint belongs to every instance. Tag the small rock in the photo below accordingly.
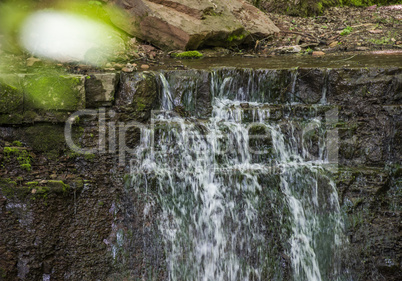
(398, 43)
(108, 65)
(42, 182)
(371, 8)
(289, 49)
(318, 53)
(375, 31)
(147, 48)
(144, 66)
(135, 55)
(33, 191)
(333, 44)
(126, 69)
(361, 48)
(53, 176)
(31, 61)
(393, 39)
(120, 66)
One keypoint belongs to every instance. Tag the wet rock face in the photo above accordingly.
(97, 228)
(190, 24)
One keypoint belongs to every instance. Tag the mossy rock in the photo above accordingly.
(45, 138)
(187, 55)
(137, 96)
(11, 99)
(32, 190)
(58, 186)
(9, 188)
(54, 92)
(11, 119)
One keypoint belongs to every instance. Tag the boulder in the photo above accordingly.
(193, 24)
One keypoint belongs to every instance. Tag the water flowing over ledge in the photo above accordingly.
(241, 197)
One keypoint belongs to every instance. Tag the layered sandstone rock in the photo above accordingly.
(193, 24)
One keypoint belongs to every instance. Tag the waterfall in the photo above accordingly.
(242, 195)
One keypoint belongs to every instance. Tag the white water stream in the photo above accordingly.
(209, 183)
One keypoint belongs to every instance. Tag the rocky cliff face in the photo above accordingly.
(66, 215)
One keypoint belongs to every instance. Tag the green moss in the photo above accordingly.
(188, 54)
(22, 155)
(9, 188)
(347, 31)
(58, 186)
(141, 103)
(11, 100)
(11, 119)
(17, 143)
(234, 37)
(382, 41)
(26, 166)
(50, 91)
(32, 184)
(32, 190)
(78, 184)
(9, 151)
(89, 156)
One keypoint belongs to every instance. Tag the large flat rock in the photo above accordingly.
(193, 24)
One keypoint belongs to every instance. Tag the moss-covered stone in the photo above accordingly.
(32, 184)
(138, 95)
(32, 190)
(45, 138)
(187, 55)
(11, 99)
(9, 188)
(11, 119)
(58, 186)
(51, 91)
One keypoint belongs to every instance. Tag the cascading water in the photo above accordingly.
(242, 195)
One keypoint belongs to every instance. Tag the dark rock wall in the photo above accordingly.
(72, 216)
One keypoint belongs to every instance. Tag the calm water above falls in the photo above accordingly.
(242, 195)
